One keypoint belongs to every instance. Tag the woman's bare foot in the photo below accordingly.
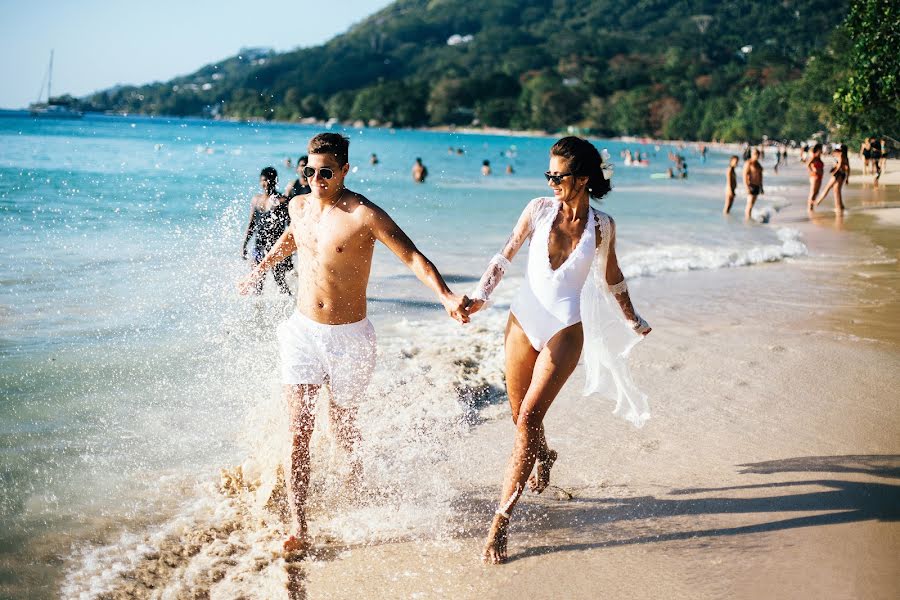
(495, 547)
(296, 547)
(541, 478)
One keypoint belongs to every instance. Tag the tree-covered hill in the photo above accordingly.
(694, 69)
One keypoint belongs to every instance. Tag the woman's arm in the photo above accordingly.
(501, 261)
(615, 279)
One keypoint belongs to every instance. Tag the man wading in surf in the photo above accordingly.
(328, 340)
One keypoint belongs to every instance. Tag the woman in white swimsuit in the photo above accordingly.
(574, 296)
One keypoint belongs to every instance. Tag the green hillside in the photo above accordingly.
(689, 69)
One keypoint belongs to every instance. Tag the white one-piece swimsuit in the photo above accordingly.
(550, 300)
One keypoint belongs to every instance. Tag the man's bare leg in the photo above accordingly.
(302, 407)
(343, 422)
(751, 200)
(729, 199)
(554, 364)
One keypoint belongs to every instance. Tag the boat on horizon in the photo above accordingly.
(49, 110)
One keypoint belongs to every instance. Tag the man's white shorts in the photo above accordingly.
(316, 353)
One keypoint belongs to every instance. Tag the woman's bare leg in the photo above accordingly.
(827, 189)
(814, 184)
(838, 198)
(520, 359)
(552, 368)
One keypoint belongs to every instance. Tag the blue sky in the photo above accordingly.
(101, 43)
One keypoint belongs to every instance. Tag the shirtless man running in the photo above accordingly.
(753, 179)
(328, 339)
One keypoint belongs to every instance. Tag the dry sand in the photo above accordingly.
(769, 468)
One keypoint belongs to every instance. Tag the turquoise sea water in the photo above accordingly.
(127, 361)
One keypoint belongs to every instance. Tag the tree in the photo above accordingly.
(869, 102)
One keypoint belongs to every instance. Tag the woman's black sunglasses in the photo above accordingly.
(556, 179)
(324, 172)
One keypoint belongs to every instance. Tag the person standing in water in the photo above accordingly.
(840, 174)
(299, 186)
(268, 219)
(730, 183)
(753, 179)
(328, 340)
(419, 171)
(574, 295)
(816, 169)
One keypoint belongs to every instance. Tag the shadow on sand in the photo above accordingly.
(610, 522)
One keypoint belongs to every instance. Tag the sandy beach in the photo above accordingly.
(777, 480)
(768, 468)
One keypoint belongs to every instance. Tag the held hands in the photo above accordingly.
(474, 305)
(456, 307)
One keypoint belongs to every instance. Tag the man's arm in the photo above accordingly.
(284, 247)
(250, 226)
(385, 230)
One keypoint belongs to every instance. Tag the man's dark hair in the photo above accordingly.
(303, 159)
(270, 174)
(331, 143)
(584, 161)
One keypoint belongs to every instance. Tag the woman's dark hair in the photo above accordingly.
(584, 161)
(817, 148)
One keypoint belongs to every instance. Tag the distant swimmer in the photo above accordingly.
(753, 179)
(730, 183)
(299, 186)
(268, 219)
(373, 159)
(287, 162)
(840, 174)
(816, 169)
(486, 167)
(328, 340)
(509, 170)
(419, 171)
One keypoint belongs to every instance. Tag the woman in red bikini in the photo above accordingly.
(816, 169)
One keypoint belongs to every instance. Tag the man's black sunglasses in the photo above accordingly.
(324, 172)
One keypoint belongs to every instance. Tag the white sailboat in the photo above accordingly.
(47, 110)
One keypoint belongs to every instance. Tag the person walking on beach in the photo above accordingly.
(300, 185)
(876, 153)
(328, 340)
(840, 174)
(816, 169)
(574, 295)
(753, 179)
(730, 183)
(268, 219)
(865, 152)
(419, 171)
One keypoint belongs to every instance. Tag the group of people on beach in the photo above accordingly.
(811, 156)
(574, 297)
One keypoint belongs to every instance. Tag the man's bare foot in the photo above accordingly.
(296, 547)
(541, 478)
(495, 547)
